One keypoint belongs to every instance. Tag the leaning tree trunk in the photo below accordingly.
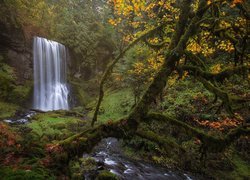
(127, 127)
(175, 52)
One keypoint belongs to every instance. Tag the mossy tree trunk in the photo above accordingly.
(127, 127)
(186, 27)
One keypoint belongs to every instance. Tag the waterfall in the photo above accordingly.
(50, 87)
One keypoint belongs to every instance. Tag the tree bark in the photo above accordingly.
(129, 126)
(112, 65)
(169, 65)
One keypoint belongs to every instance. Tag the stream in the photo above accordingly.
(108, 155)
(22, 118)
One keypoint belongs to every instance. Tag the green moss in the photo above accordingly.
(242, 168)
(7, 110)
(81, 166)
(55, 126)
(79, 90)
(106, 175)
(88, 164)
(9, 91)
(22, 93)
(75, 170)
(7, 80)
(116, 104)
(10, 174)
(181, 95)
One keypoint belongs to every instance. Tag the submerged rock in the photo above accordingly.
(106, 175)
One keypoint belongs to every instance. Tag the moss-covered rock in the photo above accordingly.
(78, 168)
(106, 175)
(55, 126)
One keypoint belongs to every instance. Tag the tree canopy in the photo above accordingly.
(178, 72)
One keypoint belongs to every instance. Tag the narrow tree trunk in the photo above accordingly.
(127, 127)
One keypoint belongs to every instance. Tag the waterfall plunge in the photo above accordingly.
(50, 87)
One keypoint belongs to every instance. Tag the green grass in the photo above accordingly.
(115, 105)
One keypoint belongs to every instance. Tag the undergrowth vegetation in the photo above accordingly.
(173, 82)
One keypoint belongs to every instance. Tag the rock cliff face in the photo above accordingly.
(17, 50)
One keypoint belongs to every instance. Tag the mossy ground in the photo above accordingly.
(7, 110)
(182, 99)
(81, 166)
(19, 174)
(182, 95)
(53, 126)
(56, 126)
(242, 168)
(115, 105)
(30, 160)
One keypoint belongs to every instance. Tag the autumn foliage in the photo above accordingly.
(221, 125)
(53, 148)
(9, 145)
(8, 138)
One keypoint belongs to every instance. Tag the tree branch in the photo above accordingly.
(159, 82)
(224, 96)
(113, 63)
(195, 59)
(155, 46)
(212, 143)
(164, 142)
(219, 77)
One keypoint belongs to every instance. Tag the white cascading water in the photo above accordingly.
(50, 86)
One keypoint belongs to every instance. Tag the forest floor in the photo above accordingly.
(26, 147)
